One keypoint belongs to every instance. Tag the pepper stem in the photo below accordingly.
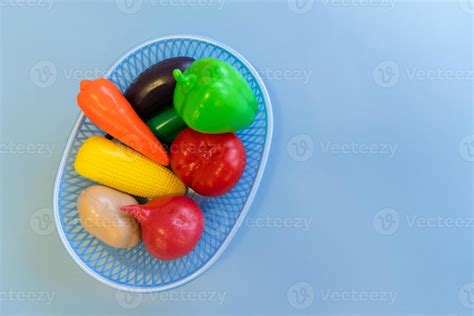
(178, 75)
(187, 81)
(84, 84)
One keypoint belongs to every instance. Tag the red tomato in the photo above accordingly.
(210, 164)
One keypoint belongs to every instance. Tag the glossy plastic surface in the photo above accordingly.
(213, 97)
(171, 226)
(210, 164)
(124, 169)
(104, 104)
(167, 125)
(135, 269)
(153, 89)
(100, 214)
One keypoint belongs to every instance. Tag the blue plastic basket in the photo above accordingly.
(134, 269)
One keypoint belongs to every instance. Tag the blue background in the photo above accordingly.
(349, 96)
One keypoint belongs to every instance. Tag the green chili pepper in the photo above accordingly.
(166, 125)
(213, 97)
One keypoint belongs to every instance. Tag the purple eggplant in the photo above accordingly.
(152, 91)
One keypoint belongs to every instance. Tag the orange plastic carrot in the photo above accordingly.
(104, 104)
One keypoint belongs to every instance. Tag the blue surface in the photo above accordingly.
(355, 251)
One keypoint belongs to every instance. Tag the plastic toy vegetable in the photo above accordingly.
(100, 215)
(167, 125)
(124, 169)
(171, 226)
(104, 104)
(213, 97)
(153, 89)
(211, 164)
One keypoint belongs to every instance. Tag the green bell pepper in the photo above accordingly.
(213, 97)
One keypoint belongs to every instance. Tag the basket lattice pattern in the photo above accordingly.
(135, 268)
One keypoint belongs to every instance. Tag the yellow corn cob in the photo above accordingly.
(124, 169)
